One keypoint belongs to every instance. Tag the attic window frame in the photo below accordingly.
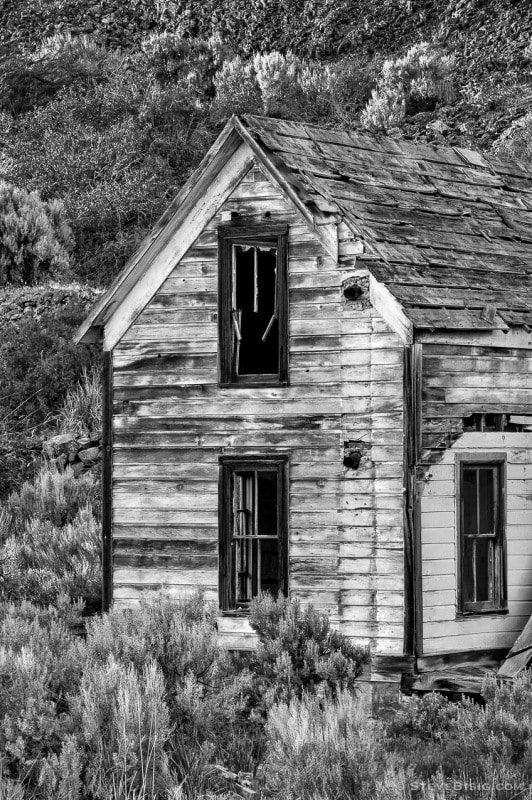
(498, 603)
(228, 236)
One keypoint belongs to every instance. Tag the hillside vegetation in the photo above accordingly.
(105, 107)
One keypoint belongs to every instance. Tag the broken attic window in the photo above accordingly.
(254, 309)
(490, 422)
(253, 305)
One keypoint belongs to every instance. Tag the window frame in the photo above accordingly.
(228, 466)
(227, 236)
(499, 604)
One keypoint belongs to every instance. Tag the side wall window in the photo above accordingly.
(253, 530)
(253, 305)
(481, 510)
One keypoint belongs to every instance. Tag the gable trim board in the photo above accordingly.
(440, 265)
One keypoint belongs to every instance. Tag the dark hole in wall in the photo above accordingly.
(491, 422)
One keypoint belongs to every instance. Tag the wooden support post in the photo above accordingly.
(107, 454)
(412, 414)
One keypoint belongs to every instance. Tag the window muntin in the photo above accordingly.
(253, 536)
(481, 515)
(253, 305)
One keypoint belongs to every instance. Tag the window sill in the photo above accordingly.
(269, 382)
(491, 612)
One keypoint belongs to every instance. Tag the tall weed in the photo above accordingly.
(328, 749)
(81, 411)
(125, 727)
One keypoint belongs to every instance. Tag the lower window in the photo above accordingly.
(482, 575)
(253, 530)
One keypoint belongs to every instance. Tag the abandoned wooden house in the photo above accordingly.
(319, 383)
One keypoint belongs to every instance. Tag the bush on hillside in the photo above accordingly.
(31, 77)
(35, 237)
(416, 82)
(124, 722)
(115, 153)
(236, 87)
(50, 539)
(189, 65)
(278, 79)
(516, 141)
(53, 496)
(45, 561)
(39, 364)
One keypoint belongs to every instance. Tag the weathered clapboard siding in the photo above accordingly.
(171, 423)
(461, 374)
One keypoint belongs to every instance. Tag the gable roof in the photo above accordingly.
(447, 231)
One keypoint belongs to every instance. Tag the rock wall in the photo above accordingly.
(80, 453)
(17, 303)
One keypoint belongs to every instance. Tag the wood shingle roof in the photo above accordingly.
(447, 230)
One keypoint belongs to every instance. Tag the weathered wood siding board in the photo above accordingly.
(499, 380)
(172, 422)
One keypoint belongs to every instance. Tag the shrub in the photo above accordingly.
(386, 109)
(277, 77)
(416, 82)
(34, 237)
(54, 496)
(50, 539)
(486, 745)
(179, 635)
(352, 80)
(39, 361)
(298, 652)
(209, 697)
(45, 561)
(327, 749)
(40, 666)
(237, 89)
(189, 64)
